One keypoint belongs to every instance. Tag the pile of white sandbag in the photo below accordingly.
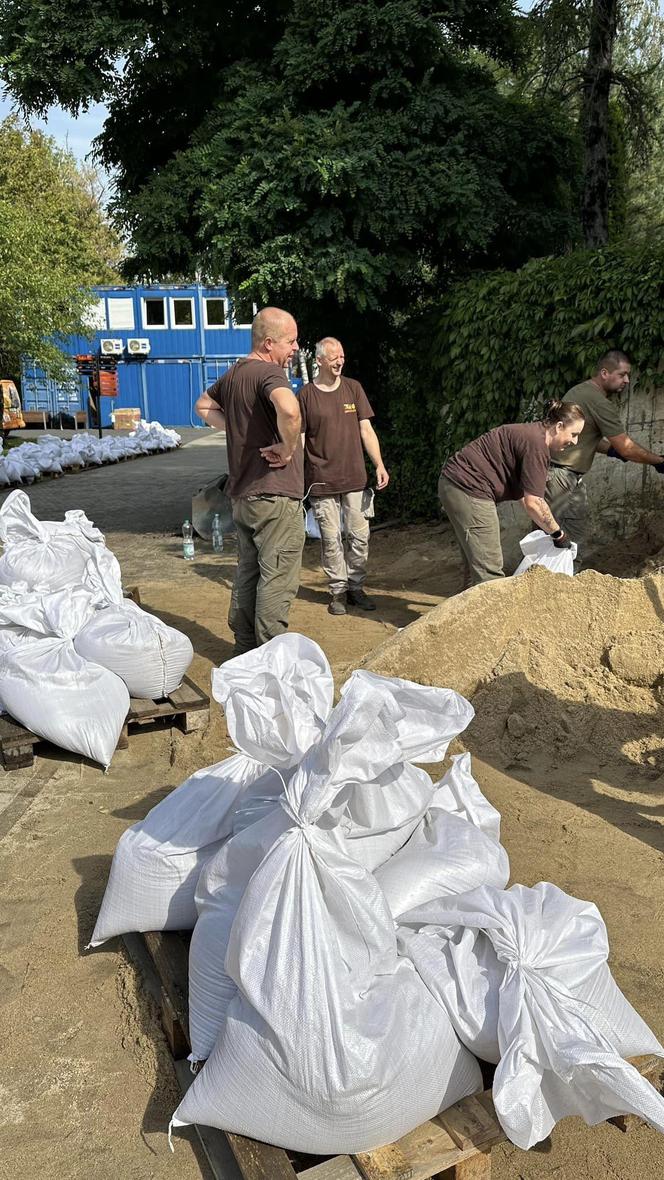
(73, 649)
(53, 455)
(354, 945)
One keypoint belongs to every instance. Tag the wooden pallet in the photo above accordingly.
(187, 707)
(456, 1145)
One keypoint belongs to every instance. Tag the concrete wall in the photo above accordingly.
(619, 493)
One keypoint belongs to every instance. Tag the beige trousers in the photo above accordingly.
(344, 560)
(270, 538)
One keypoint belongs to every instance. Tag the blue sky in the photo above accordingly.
(76, 134)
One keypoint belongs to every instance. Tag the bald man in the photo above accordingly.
(336, 426)
(255, 405)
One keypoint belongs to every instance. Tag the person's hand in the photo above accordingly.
(612, 453)
(277, 455)
(560, 539)
(382, 478)
(659, 467)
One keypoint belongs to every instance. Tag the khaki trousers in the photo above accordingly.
(345, 565)
(567, 496)
(477, 530)
(270, 537)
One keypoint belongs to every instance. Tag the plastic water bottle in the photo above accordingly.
(188, 551)
(217, 534)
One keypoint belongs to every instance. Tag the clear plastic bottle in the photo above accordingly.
(188, 551)
(217, 534)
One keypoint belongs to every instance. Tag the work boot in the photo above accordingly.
(357, 597)
(337, 605)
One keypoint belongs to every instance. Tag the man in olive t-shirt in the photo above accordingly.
(604, 433)
(255, 405)
(336, 430)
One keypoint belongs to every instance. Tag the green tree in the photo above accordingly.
(55, 243)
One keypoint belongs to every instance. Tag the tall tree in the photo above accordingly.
(597, 78)
(55, 243)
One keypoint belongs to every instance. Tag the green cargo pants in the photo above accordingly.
(477, 530)
(567, 497)
(270, 538)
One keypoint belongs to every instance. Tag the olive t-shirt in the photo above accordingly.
(333, 454)
(507, 463)
(602, 421)
(243, 393)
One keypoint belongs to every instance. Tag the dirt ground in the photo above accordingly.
(87, 1087)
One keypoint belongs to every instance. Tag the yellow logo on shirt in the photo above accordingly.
(349, 407)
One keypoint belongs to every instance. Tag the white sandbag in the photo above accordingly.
(51, 690)
(381, 816)
(445, 855)
(459, 794)
(539, 549)
(523, 975)
(332, 1043)
(52, 553)
(311, 525)
(157, 862)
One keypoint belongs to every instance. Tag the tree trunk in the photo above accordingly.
(595, 122)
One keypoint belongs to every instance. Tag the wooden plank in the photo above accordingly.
(189, 696)
(384, 1163)
(171, 960)
(193, 722)
(469, 1124)
(214, 1142)
(341, 1167)
(139, 708)
(175, 1034)
(260, 1161)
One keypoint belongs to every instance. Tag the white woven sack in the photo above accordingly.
(375, 818)
(40, 552)
(146, 653)
(332, 1044)
(380, 817)
(539, 549)
(445, 855)
(523, 975)
(51, 690)
(157, 862)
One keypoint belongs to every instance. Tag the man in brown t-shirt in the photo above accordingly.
(255, 405)
(336, 430)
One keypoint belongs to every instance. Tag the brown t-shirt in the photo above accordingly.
(243, 393)
(507, 463)
(333, 454)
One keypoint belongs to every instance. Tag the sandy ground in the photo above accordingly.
(87, 1087)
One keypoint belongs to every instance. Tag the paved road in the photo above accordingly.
(140, 505)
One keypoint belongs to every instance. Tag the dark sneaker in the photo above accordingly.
(359, 598)
(338, 605)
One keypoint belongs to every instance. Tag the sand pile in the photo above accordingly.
(557, 668)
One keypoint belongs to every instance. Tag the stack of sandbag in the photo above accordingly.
(335, 1038)
(62, 586)
(523, 975)
(277, 700)
(46, 685)
(54, 455)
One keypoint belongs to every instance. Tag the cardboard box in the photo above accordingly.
(126, 419)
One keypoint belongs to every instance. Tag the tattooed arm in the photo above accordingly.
(539, 511)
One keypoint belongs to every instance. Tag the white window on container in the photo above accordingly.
(182, 312)
(243, 313)
(154, 311)
(216, 312)
(121, 314)
(95, 316)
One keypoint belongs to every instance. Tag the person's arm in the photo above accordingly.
(210, 411)
(539, 511)
(289, 423)
(627, 449)
(372, 447)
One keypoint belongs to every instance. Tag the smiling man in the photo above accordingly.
(336, 430)
(255, 405)
(603, 433)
